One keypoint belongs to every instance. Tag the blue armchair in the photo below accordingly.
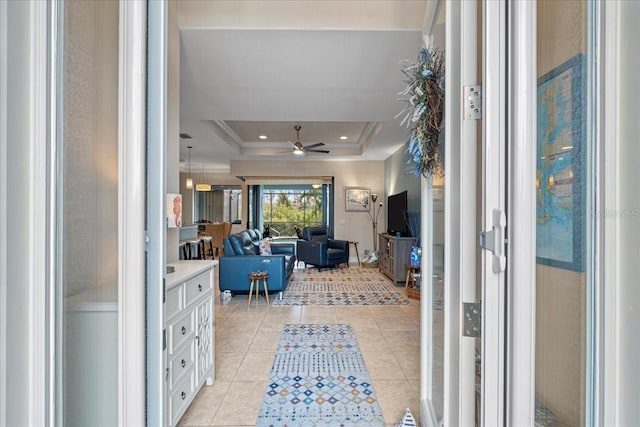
(316, 248)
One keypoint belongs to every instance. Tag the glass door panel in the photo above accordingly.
(87, 202)
(564, 279)
(433, 264)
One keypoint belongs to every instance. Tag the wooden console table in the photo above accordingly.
(394, 253)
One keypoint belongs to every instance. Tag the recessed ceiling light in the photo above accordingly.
(263, 137)
(343, 137)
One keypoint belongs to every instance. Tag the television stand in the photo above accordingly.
(395, 252)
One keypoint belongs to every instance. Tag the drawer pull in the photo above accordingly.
(184, 330)
(199, 288)
(183, 395)
(183, 363)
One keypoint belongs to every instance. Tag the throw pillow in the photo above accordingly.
(265, 247)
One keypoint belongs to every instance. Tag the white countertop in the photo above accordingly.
(105, 298)
(101, 298)
(187, 269)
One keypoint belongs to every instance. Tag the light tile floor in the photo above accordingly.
(247, 338)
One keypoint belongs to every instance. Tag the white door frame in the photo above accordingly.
(521, 272)
(427, 409)
(494, 110)
(131, 208)
(28, 206)
(455, 407)
(461, 211)
(468, 188)
(3, 211)
(40, 406)
(156, 399)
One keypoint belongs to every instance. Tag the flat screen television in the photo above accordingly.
(397, 214)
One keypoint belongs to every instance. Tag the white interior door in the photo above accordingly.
(507, 266)
(461, 210)
(494, 214)
(475, 206)
(474, 200)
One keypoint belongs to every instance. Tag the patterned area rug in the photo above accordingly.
(340, 286)
(319, 378)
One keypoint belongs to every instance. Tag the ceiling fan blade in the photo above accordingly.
(317, 151)
(316, 145)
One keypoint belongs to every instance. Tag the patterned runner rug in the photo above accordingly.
(319, 378)
(340, 286)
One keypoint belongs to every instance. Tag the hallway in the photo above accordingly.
(247, 337)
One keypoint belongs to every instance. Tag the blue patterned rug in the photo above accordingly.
(318, 378)
(340, 286)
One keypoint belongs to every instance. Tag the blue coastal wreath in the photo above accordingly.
(424, 112)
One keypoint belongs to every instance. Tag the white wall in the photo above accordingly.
(628, 218)
(348, 225)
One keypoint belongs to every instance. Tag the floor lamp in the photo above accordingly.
(374, 219)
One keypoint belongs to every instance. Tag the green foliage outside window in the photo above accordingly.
(283, 210)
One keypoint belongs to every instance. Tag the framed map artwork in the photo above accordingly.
(560, 166)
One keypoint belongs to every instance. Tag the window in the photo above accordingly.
(285, 207)
(282, 207)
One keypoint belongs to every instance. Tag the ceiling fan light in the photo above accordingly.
(298, 152)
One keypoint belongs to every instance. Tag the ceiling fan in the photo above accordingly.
(301, 150)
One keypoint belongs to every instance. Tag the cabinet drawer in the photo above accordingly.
(175, 301)
(181, 364)
(180, 398)
(197, 287)
(180, 331)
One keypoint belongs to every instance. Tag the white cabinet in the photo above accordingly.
(204, 315)
(91, 358)
(190, 340)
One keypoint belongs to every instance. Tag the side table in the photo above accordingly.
(355, 245)
(255, 278)
(411, 270)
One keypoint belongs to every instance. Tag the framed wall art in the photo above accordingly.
(356, 199)
(174, 210)
(560, 166)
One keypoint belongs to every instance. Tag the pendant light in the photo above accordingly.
(202, 186)
(189, 183)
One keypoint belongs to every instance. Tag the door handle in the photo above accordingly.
(494, 241)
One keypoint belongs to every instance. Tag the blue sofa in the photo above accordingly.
(241, 257)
